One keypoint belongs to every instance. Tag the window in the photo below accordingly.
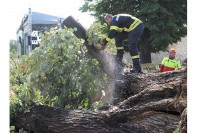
(34, 38)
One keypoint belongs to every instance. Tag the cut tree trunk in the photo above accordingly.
(157, 105)
(105, 59)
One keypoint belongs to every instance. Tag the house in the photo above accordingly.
(31, 25)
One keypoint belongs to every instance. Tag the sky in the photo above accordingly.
(60, 8)
(12, 11)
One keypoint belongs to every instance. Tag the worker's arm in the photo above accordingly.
(112, 32)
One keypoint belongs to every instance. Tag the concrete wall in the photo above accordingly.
(181, 53)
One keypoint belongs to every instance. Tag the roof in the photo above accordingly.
(41, 18)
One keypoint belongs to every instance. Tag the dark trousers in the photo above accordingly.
(133, 39)
(119, 42)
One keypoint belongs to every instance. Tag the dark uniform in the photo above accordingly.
(122, 27)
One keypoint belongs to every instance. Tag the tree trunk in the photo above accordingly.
(157, 104)
(108, 61)
(145, 53)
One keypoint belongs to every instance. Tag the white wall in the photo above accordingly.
(181, 52)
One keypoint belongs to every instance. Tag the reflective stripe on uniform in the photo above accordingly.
(120, 29)
(118, 48)
(108, 39)
(133, 25)
(114, 28)
(135, 56)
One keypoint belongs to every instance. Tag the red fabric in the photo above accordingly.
(161, 68)
(165, 68)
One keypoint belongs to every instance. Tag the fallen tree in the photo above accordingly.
(157, 104)
(149, 102)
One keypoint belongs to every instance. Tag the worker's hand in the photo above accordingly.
(103, 46)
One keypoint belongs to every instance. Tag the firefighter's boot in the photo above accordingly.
(136, 66)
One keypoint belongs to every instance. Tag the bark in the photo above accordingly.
(157, 104)
(145, 87)
(145, 53)
(183, 123)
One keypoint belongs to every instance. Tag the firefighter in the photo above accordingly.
(125, 27)
(170, 63)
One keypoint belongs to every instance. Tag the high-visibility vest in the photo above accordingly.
(169, 64)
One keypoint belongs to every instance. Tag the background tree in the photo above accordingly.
(165, 20)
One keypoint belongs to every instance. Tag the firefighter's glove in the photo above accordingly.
(103, 46)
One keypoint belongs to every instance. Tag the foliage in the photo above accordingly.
(165, 20)
(96, 33)
(59, 73)
(97, 104)
(18, 91)
(13, 47)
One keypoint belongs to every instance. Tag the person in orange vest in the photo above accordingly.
(170, 63)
